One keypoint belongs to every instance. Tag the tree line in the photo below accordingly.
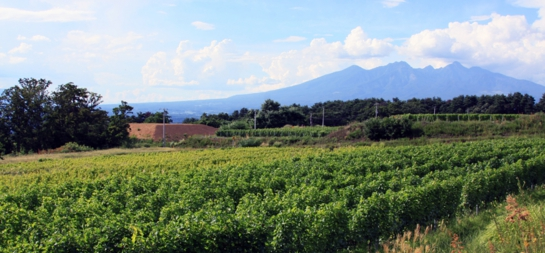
(34, 119)
(339, 113)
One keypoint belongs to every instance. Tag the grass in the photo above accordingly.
(516, 225)
(113, 151)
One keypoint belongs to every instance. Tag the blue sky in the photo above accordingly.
(167, 50)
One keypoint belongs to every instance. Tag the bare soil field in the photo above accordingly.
(173, 132)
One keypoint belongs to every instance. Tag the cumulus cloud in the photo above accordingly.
(158, 72)
(202, 25)
(39, 38)
(321, 57)
(16, 60)
(291, 39)
(506, 44)
(21, 49)
(357, 44)
(83, 45)
(220, 63)
(249, 81)
(51, 15)
(34, 38)
(391, 3)
(211, 64)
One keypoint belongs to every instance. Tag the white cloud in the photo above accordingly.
(220, 63)
(83, 45)
(51, 15)
(34, 38)
(21, 49)
(357, 44)
(39, 38)
(506, 44)
(202, 25)
(16, 60)
(391, 3)
(252, 80)
(210, 65)
(157, 71)
(291, 39)
(480, 18)
(320, 58)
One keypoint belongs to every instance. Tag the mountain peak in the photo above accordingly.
(455, 64)
(399, 64)
(354, 67)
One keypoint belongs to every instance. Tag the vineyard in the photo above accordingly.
(254, 199)
(278, 132)
(460, 117)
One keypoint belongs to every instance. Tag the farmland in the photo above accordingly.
(254, 199)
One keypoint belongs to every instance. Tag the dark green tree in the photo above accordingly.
(158, 118)
(25, 113)
(540, 106)
(6, 143)
(77, 117)
(118, 128)
(140, 117)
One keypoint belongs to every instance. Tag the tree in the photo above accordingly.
(25, 112)
(158, 118)
(540, 106)
(118, 128)
(6, 143)
(140, 117)
(77, 118)
(270, 105)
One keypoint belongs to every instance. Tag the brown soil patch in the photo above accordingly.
(173, 132)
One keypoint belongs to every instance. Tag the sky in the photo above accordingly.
(167, 50)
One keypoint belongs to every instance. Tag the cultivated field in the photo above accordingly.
(254, 199)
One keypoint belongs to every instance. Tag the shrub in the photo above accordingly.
(356, 134)
(74, 147)
(250, 142)
(387, 128)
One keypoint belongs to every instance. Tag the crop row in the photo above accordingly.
(459, 117)
(254, 199)
(277, 132)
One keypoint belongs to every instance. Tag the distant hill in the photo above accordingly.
(393, 80)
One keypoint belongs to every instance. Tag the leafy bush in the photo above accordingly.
(74, 147)
(356, 134)
(387, 128)
(250, 142)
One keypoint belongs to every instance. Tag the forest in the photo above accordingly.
(340, 113)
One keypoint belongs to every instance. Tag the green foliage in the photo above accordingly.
(254, 199)
(74, 147)
(25, 109)
(278, 132)
(356, 134)
(76, 117)
(32, 119)
(250, 142)
(237, 125)
(158, 117)
(118, 128)
(387, 128)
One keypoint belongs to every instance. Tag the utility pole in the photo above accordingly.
(376, 110)
(164, 127)
(255, 119)
(323, 116)
(311, 119)
(434, 109)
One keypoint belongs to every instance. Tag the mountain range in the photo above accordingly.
(395, 80)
